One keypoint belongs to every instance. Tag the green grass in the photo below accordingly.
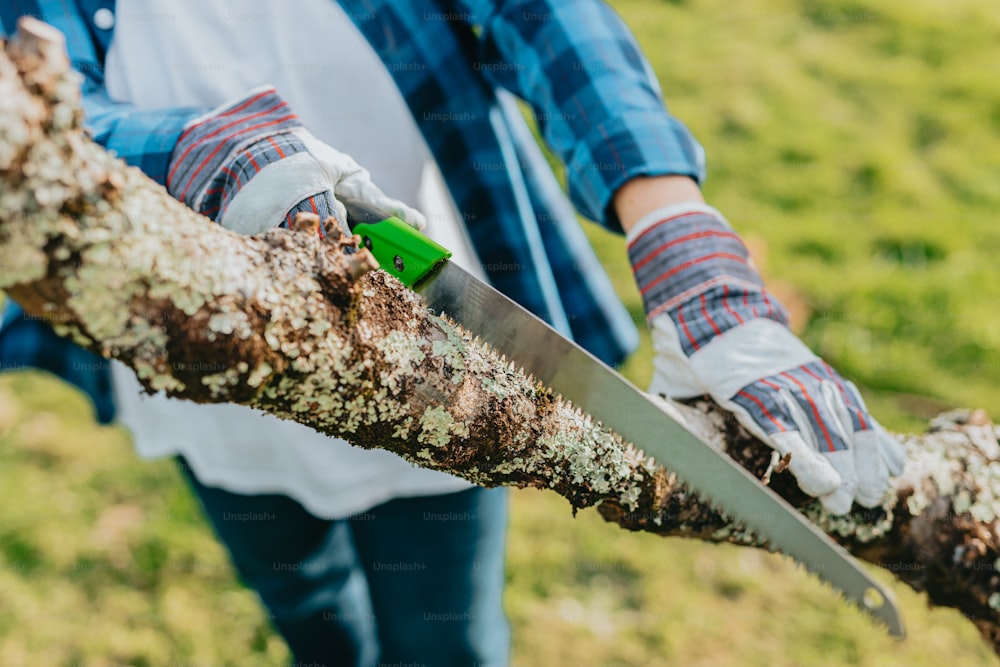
(860, 140)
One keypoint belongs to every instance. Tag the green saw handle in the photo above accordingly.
(399, 248)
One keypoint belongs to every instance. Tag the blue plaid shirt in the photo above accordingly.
(575, 63)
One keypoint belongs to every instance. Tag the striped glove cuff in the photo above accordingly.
(220, 152)
(691, 265)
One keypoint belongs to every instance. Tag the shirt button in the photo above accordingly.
(104, 18)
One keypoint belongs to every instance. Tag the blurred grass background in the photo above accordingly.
(855, 144)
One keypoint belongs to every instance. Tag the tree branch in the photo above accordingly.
(308, 332)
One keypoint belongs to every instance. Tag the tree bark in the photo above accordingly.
(289, 323)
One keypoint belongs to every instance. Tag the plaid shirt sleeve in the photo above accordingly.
(144, 139)
(594, 97)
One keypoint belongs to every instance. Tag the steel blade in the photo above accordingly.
(611, 399)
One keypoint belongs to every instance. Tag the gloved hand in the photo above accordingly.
(717, 331)
(251, 165)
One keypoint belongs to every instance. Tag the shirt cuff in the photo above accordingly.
(633, 144)
(146, 139)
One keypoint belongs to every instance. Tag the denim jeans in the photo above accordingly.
(414, 581)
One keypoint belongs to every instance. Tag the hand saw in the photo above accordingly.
(560, 364)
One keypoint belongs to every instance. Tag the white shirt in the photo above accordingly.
(204, 52)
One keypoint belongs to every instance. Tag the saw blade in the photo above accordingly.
(590, 385)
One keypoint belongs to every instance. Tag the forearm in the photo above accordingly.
(645, 194)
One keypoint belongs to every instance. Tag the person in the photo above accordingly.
(423, 94)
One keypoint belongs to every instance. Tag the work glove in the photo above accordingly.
(251, 165)
(717, 331)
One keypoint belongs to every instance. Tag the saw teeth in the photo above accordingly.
(758, 530)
